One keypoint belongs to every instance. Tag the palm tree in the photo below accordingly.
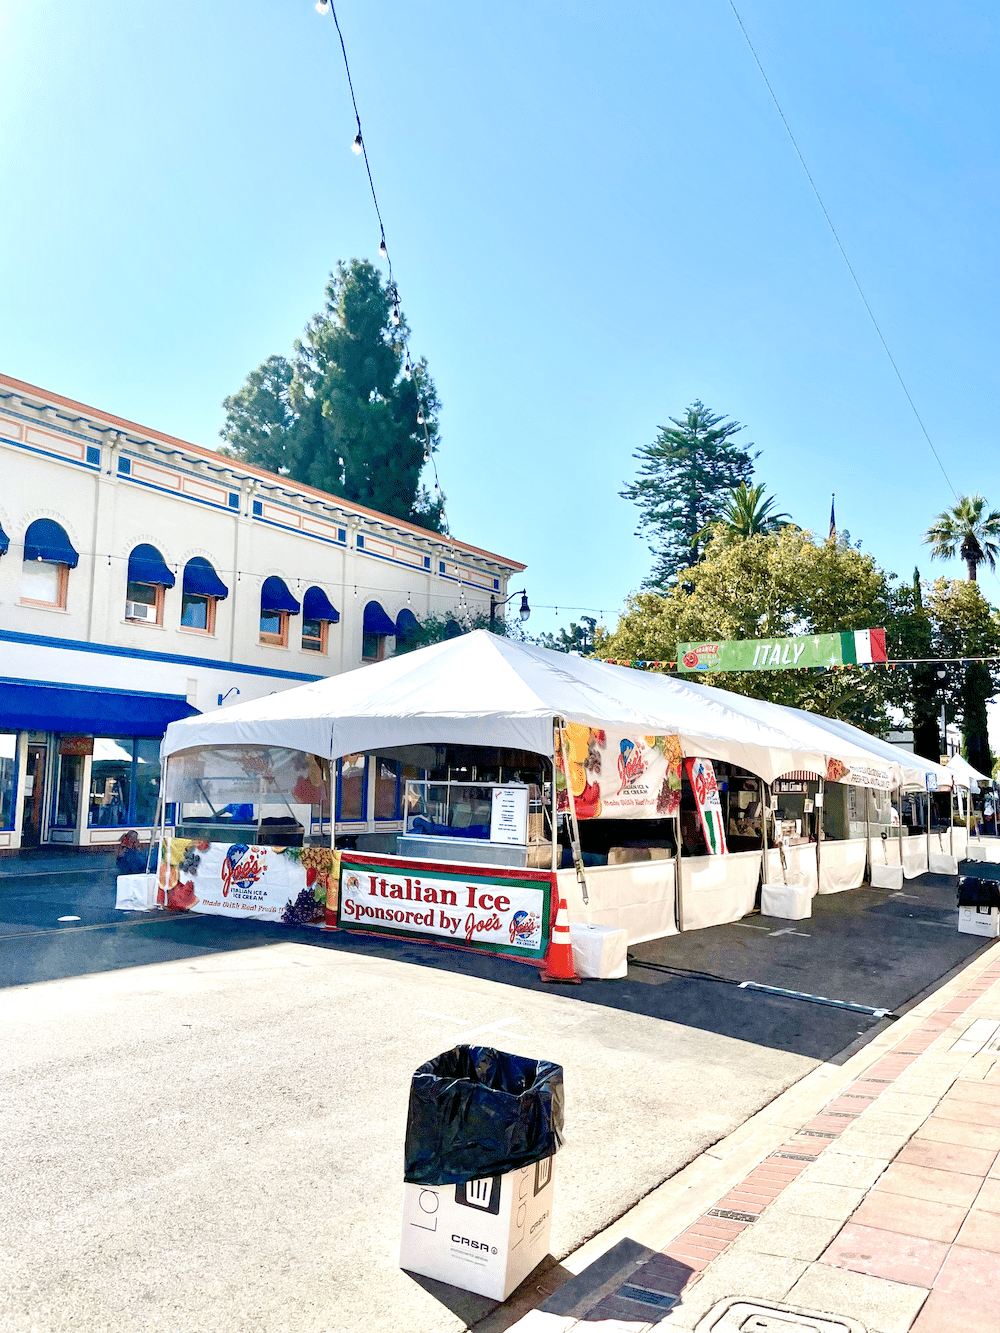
(967, 531)
(745, 514)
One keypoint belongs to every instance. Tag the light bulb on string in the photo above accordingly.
(395, 315)
(420, 416)
(382, 250)
(357, 147)
(322, 6)
(408, 368)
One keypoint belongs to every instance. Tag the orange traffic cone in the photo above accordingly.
(559, 959)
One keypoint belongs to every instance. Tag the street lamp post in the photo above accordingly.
(496, 603)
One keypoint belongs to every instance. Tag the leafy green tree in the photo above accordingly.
(577, 639)
(683, 479)
(965, 625)
(918, 631)
(780, 584)
(342, 414)
(745, 513)
(968, 531)
(453, 624)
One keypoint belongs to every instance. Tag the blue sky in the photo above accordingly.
(595, 217)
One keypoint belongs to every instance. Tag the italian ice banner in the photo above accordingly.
(497, 911)
(706, 795)
(858, 775)
(617, 774)
(277, 884)
(848, 648)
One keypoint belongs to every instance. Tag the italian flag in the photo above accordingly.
(701, 775)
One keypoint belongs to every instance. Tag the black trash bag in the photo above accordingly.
(476, 1112)
(974, 892)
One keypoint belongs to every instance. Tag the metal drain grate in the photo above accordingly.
(742, 1316)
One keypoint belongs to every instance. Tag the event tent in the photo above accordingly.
(483, 689)
(966, 775)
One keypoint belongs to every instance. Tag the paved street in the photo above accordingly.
(205, 1119)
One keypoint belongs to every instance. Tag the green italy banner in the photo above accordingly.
(848, 648)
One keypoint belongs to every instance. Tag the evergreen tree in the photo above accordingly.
(341, 415)
(685, 478)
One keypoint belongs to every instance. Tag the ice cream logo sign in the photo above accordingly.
(241, 869)
(631, 766)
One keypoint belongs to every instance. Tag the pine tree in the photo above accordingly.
(685, 478)
(341, 415)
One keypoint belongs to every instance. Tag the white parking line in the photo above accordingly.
(500, 1025)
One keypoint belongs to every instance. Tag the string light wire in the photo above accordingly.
(383, 249)
(840, 247)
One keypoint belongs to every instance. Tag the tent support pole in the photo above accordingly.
(868, 832)
(951, 820)
(332, 770)
(818, 805)
(554, 820)
(678, 896)
(574, 827)
(162, 830)
(763, 831)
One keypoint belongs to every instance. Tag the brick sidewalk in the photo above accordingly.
(883, 1208)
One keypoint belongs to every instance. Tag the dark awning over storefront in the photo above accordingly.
(317, 606)
(46, 540)
(4, 542)
(406, 624)
(146, 565)
(274, 596)
(36, 706)
(376, 620)
(201, 579)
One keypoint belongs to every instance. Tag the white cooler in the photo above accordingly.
(791, 902)
(136, 893)
(599, 952)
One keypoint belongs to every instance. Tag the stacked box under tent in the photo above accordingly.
(651, 804)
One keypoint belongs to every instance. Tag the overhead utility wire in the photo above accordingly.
(359, 146)
(843, 252)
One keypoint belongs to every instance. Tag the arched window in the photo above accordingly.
(377, 628)
(276, 605)
(318, 614)
(148, 575)
(201, 591)
(407, 625)
(48, 558)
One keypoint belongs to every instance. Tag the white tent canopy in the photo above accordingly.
(965, 774)
(482, 689)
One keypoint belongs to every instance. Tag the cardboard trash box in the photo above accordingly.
(484, 1236)
(599, 952)
(481, 1131)
(979, 921)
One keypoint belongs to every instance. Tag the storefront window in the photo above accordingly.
(66, 792)
(111, 782)
(144, 601)
(124, 782)
(43, 583)
(352, 788)
(8, 778)
(314, 636)
(146, 784)
(198, 612)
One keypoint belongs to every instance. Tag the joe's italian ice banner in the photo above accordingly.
(618, 775)
(286, 884)
(701, 775)
(499, 912)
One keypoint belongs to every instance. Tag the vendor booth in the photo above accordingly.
(517, 776)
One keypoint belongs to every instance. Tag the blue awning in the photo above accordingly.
(46, 540)
(274, 596)
(146, 565)
(406, 624)
(317, 606)
(4, 542)
(200, 578)
(376, 620)
(38, 706)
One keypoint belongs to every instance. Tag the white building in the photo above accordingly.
(143, 578)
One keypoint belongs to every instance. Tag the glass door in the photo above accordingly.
(34, 791)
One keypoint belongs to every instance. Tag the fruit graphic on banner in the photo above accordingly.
(706, 795)
(614, 775)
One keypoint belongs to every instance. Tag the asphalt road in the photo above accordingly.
(202, 1120)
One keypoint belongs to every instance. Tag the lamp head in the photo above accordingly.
(525, 611)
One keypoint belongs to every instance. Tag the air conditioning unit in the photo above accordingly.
(139, 611)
